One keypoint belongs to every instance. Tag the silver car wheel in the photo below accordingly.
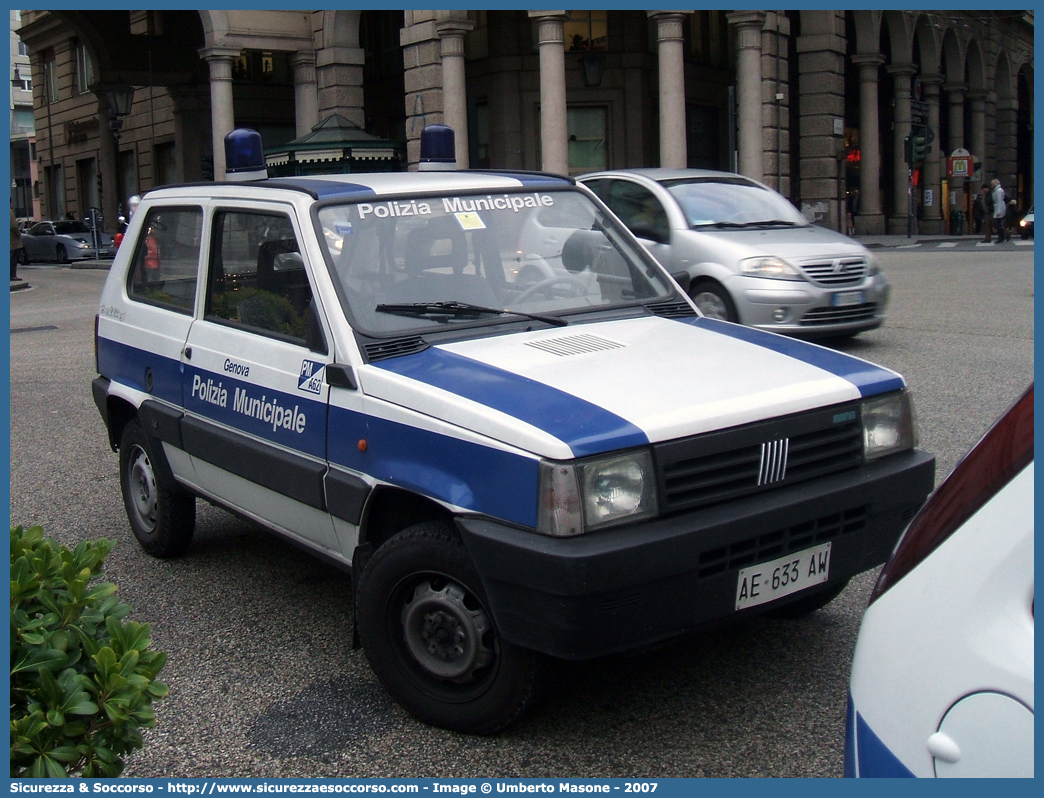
(711, 305)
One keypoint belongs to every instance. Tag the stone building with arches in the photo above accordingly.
(815, 103)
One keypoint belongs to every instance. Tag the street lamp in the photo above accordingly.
(120, 99)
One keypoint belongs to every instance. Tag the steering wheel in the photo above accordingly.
(578, 286)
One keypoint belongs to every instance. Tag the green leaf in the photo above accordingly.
(34, 659)
(55, 718)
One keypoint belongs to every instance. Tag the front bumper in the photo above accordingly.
(806, 309)
(624, 588)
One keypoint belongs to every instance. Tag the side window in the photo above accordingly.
(637, 206)
(166, 258)
(258, 280)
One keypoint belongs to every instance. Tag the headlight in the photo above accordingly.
(771, 267)
(872, 266)
(575, 498)
(889, 425)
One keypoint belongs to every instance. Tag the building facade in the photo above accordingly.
(817, 104)
(24, 183)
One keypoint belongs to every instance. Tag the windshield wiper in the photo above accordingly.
(759, 223)
(441, 311)
(773, 223)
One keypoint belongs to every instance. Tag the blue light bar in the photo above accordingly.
(244, 156)
(438, 148)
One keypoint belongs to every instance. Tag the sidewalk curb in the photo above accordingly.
(92, 264)
(20, 286)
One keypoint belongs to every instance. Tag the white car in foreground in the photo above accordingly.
(942, 682)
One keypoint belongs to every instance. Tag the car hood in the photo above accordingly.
(578, 391)
(795, 244)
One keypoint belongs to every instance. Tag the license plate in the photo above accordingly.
(769, 581)
(845, 299)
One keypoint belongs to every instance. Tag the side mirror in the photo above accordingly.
(651, 232)
(684, 280)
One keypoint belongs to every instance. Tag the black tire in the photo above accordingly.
(162, 517)
(60, 254)
(713, 300)
(23, 257)
(424, 623)
(806, 605)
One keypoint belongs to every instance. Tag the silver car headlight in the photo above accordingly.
(771, 267)
(889, 425)
(591, 494)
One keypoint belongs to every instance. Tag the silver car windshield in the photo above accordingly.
(725, 203)
(402, 264)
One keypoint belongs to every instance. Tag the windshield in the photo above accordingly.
(728, 202)
(409, 263)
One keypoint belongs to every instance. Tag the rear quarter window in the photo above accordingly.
(165, 268)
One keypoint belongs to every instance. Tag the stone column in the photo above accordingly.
(821, 49)
(748, 90)
(901, 199)
(869, 220)
(107, 165)
(933, 222)
(306, 92)
(339, 67)
(422, 59)
(1007, 144)
(976, 104)
(671, 48)
(554, 145)
(955, 92)
(191, 131)
(454, 85)
(222, 114)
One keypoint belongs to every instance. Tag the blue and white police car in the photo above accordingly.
(478, 393)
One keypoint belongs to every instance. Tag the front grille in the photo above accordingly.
(836, 271)
(781, 542)
(717, 467)
(820, 316)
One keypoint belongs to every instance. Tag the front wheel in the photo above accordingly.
(61, 255)
(161, 516)
(713, 301)
(427, 631)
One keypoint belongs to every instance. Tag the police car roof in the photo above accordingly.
(358, 186)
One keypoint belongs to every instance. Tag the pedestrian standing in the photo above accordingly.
(1000, 209)
(979, 209)
(996, 212)
(16, 248)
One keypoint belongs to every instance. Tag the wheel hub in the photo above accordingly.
(710, 305)
(142, 483)
(443, 634)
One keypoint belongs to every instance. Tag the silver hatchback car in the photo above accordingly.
(751, 257)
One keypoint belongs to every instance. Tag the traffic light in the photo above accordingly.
(918, 148)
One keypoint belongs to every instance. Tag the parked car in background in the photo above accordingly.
(751, 257)
(1026, 225)
(63, 241)
(942, 680)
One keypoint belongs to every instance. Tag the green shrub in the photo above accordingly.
(82, 678)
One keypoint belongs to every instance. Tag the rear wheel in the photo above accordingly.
(23, 257)
(162, 517)
(713, 301)
(427, 631)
